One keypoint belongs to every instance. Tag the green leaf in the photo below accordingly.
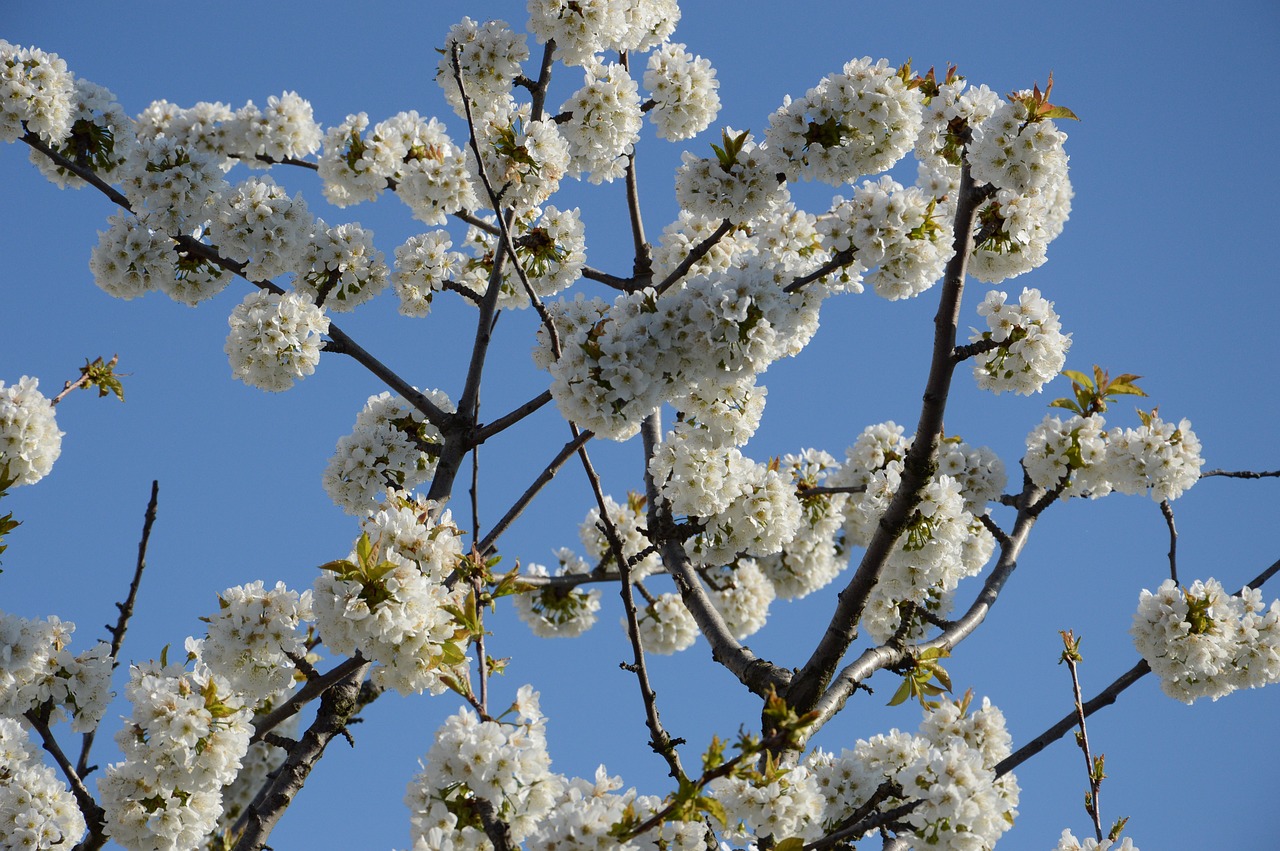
(904, 692)
(791, 843)
(1078, 378)
(1059, 112)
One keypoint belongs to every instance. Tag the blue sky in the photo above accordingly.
(1163, 270)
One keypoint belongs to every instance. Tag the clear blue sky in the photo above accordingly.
(1163, 270)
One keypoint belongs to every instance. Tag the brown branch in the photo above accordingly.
(613, 281)
(315, 687)
(962, 353)
(1167, 511)
(1071, 655)
(94, 817)
(486, 546)
(759, 675)
(695, 254)
(337, 707)
(504, 422)
(126, 611)
(1241, 474)
(808, 684)
(838, 261)
(1106, 697)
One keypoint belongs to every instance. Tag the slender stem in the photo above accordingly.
(93, 814)
(1167, 511)
(486, 546)
(504, 422)
(126, 612)
(1070, 656)
(695, 254)
(838, 261)
(1242, 474)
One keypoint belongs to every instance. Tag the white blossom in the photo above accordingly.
(275, 339)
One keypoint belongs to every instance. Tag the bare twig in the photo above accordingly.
(1241, 474)
(695, 254)
(504, 422)
(1071, 656)
(486, 546)
(125, 610)
(1167, 511)
(838, 261)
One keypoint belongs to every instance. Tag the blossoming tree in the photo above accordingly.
(882, 181)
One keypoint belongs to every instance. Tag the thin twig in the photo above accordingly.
(981, 347)
(838, 261)
(1242, 474)
(125, 610)
(504, 422)
(1071, 655)
(94, 817)
(1167, 511)
(486, 546)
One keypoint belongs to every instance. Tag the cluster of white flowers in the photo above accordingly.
(1158, 457)
(894, 232)
(206, 127)
(489, 56)
(285, 129)
(506, 765)
(1014, 150)
(431, 172)
(389, 602)
(523, 159)
(258, 224)
(1013, 231)
(683, 88)
(739, 186)
(813, 558)
(182, 743)
(550, 244)
(171, 188)
(37, 811)
(391, 445)
(583, 28)
(29, 438)
(780, 805)
(742, 594)
(944, 541)
(253, 639)
(620, 362)
(1068, 842)
(100, 138)
(275, 339)
(629, 523)
(851, 124)
(353, 168)
(339, 266)
(1033, 348)
(423, 265)
(688, 230)
(1203, 642)
(604, 122)
(948, 766)
(131, 260)
(666, 626)
(36, 90)
(39, 670)
(955, 107)
(558, 612)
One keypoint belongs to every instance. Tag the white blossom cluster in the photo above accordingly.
(742, 595)
(944, 541)
(391, 445)
(423, 265)
(957, 104)
(619, 362)
(171, 188)
(100, 138)
(523, 159)
(629, 523)
(284, 129)
(40, 671)
(1013, 150)
(892, 231)
(431, 172)
(1014, 231)
(489, 56)
(275, 339)
(1033, 348)
(353, 167)
(666, 626)
(780, 805)
(253, 639)
(813, 558)
(390, 604)
(604, 123)
(851, 124)
(37, 811)
(36, 94)
(583, 28)
(258, 224)
(29, 438)
(745, 190)
(1157, 458)
(339, 266)
(131, 260)
(1203, 642)
(182, 743)
(683, 87)
(1068, 842)
(550, 244)
(554, 612)
(507, 765)
(948, 766)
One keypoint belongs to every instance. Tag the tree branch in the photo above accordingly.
(807, 686)
(486, 547)
(695, 254)
(1167, 511)
(94, 817)
(1241, 474)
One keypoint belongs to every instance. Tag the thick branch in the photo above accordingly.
(337, 707)
(808, 684)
